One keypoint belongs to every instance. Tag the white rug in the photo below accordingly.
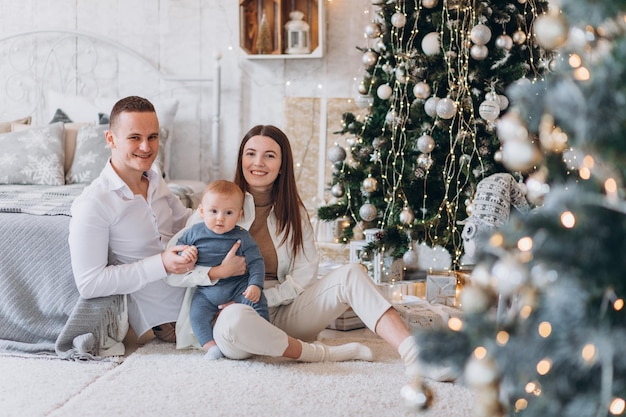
(157, 380)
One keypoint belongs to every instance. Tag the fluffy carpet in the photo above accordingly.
(157, 380)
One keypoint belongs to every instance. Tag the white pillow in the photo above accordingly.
(33, 156)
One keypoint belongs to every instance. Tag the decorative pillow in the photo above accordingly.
(60, 116)
(5, 127)
(33, 156)
(90, 155)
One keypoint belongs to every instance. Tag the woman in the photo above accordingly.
(301, 305)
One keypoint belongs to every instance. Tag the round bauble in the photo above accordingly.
(369, 59)
(406, 216)
(421, 90)
(446, 108)
(430, 106)
(391, 117)
(400, 75)
(519, 37)
(474, 299)
(410, 260)
(337, 190)
(425, 144)
(429, 4)
(510, 127)
(380, 45)
(430, 44)
(504, 42)
(503, 101)
(336, 154)
(520, 155)
(424, 161)
(370, 184)
(551, 31)
(384, 91)
(480, 34)
(372, 30)
(509, 274)
(368, 212)
(398, 20)
(479, 52)
(489, 110)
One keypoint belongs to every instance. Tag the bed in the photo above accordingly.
(57, 89)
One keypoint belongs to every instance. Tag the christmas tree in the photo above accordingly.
(544, 330)
(434, 80)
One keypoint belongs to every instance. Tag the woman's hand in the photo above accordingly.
(232, 264)
(179, 264)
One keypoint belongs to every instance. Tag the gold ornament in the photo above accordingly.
(370, 184)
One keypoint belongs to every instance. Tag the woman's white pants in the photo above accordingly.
(240, 332)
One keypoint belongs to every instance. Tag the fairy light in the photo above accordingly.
(455, 324)
(588, 353)
(544, 329)
(525, 311)
(618, 406)
(521, 404)
(568, 220)
(618, 304)
(544, 366)
(502, 338)
(525, 244)
(534, 388)
(480, 352)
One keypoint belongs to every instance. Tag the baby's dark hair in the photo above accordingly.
(130, 104)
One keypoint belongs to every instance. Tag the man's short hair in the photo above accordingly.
(130, 104)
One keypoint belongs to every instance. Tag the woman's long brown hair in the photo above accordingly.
(287, 202)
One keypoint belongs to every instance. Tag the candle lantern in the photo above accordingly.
(298, 34)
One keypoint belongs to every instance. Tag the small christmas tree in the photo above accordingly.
(434, 81)
(264, 40)
(544, 332)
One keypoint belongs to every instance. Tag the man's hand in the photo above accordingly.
(179, 264)
(232, 265)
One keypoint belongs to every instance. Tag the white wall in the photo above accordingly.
(182, 36)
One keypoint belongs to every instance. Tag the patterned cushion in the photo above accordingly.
(90, 155)
(5, 127)
(33, 156)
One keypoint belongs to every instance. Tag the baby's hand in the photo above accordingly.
(190, 253)
(252, 293)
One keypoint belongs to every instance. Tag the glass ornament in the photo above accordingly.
(421, 90)
(519, 37)
(425, 144)
(410, 260)
(369, 59)
(430, 44)
(480, 34)
(489, 110)
(372, 30)
(504, 42)
(370, 184)
(446, 108)
(337, 190)
(430, 106)
(336, 154)
(424, 161)
(551, 31)
(368, 212)
(479, 52)
(520, 155)
(406, 216)
(384, 91)
(429, 4)
(398, 20)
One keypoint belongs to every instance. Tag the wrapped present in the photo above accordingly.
(442, 288)
(420, 314)
(381, 268)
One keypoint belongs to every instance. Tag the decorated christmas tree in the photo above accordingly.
(434, 78)
(544, 327)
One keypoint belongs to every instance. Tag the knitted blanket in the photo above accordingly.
(41, 311)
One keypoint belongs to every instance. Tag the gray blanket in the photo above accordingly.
(40, 308)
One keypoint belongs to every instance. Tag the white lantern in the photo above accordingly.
(297, 34)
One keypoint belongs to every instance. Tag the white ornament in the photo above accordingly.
(510, 127)
(337, 190)
(480, 34)
(336, 154)
(424, 161)
(520, 155)
(430, 44)
(479, 52)
(411, 260)
(369, 59)
(510, 275)
(384, 91)
(368, 212)
(400, 75)
(398, 20)
(429, 4)
(372, 30)
(503, 101)
(421, 90)
(551, 31)
(370, 184)
(391, 117)
(519, 37)
(430, 106)
(425, 144)
(504, 42)
(489, 110)
(446, 108)
(406, 216)
(474, 299)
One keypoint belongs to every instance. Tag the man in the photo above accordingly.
(122, 222)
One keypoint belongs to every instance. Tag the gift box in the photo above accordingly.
(420, 314)
(381, 268)
(442, 288)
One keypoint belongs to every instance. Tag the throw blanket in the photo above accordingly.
(40, 308)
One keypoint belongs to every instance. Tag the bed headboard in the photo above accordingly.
(39, 68)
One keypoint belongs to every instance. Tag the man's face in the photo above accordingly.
(134, 141)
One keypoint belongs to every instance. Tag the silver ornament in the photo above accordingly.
(425, 144)
(421, 90)
(410, 260)
(479, 52)
(398, 19)
(551, 31)
(368, 212)
(384, 91)
(406, 216)
(520, 155)
(370, 184)
(503, 101)
(504, 42)
(446, 108)
(519, 37)
(336, 154)
(372, 30)
(480, 34)
(430, 106)
(430, 44)
(424, 161)
(489, 110)
(429, 4)
(369, 59)
(337, 190)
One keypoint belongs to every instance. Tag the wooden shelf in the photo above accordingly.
(277, 15)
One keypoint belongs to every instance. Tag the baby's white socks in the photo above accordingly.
(213, 353)
(319, 352)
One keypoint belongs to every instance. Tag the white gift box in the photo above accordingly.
(380, 268)
(441, 288)
(420, 314)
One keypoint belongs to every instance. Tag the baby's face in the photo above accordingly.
(220, 212)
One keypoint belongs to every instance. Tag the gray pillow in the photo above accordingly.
(33, 156)
(90, 156)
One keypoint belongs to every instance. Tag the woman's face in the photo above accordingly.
(261, 161)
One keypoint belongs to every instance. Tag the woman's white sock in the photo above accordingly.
(409, 353)
(319, 352)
